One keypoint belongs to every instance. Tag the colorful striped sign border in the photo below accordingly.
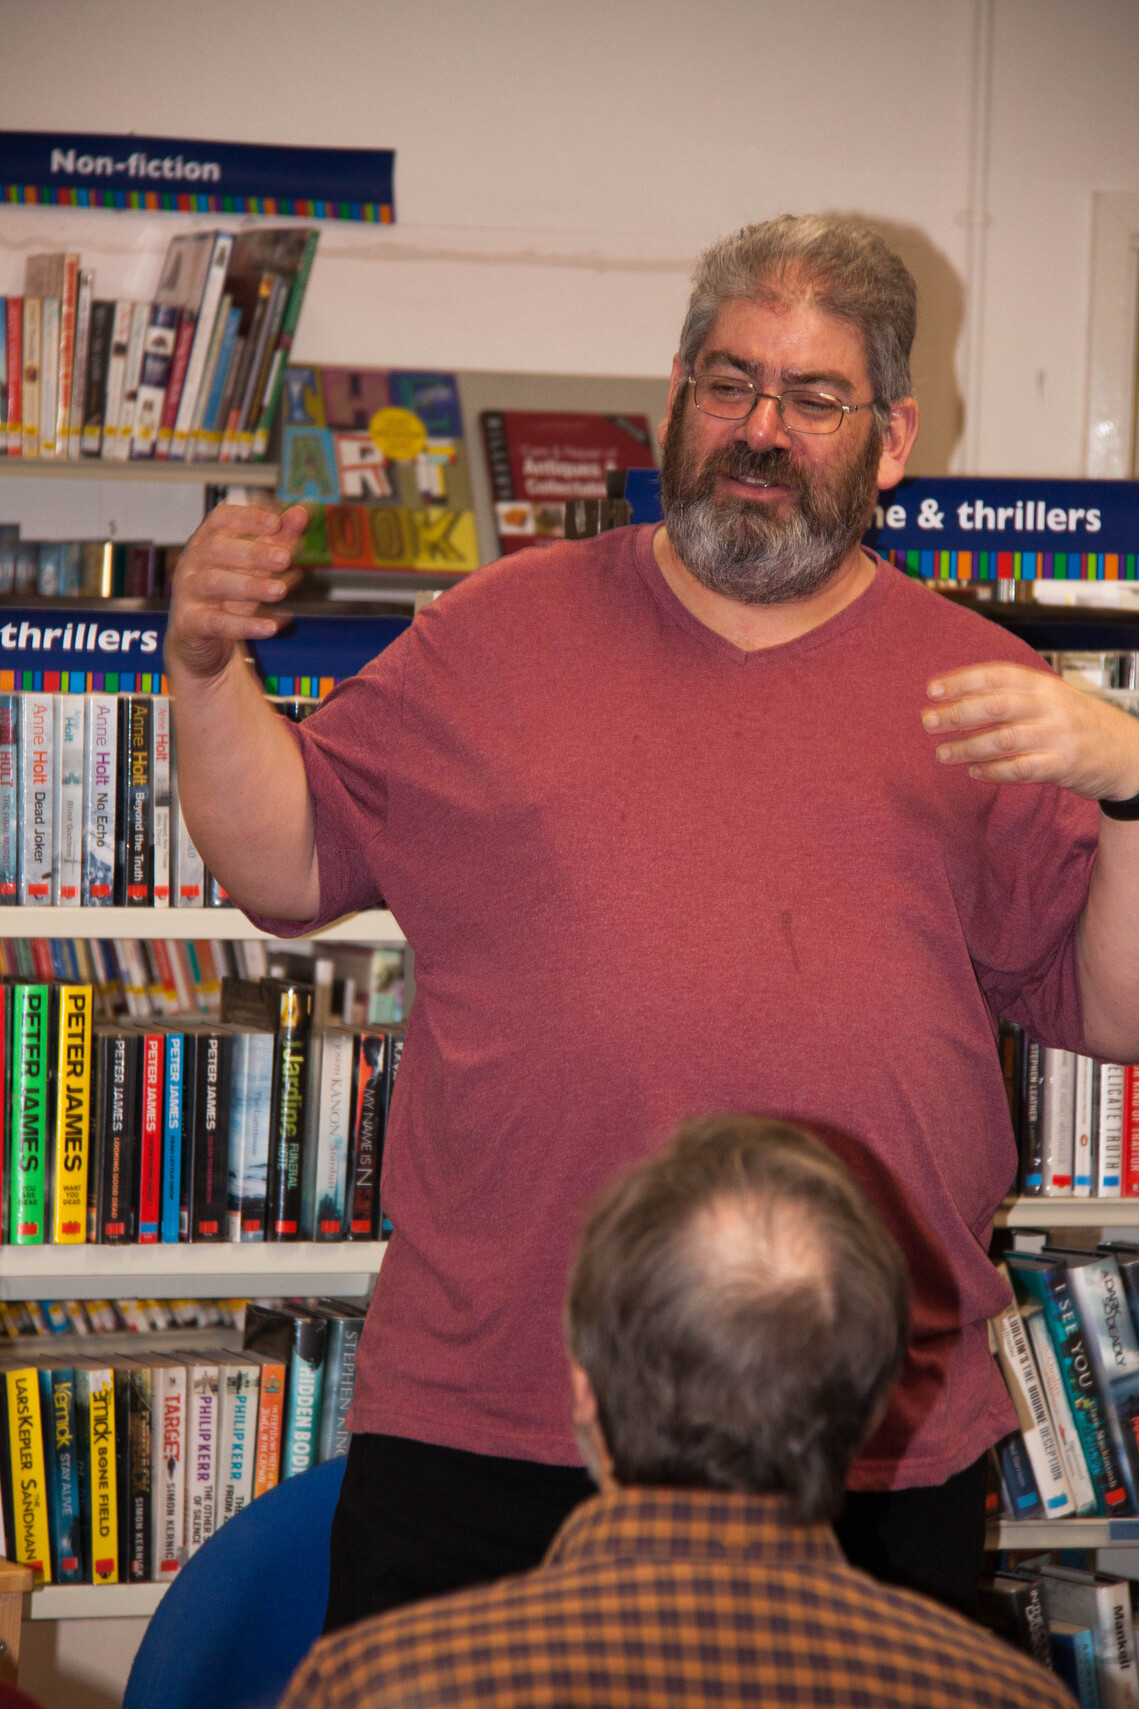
(145, 682)
(1018, 566)
(195, 202)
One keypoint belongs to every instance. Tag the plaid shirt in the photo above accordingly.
(664, 1599)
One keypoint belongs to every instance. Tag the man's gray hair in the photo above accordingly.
(836, 263)
(741, 1313)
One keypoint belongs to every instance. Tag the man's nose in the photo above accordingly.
(765, 427)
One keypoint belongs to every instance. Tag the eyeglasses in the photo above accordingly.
(800, 410)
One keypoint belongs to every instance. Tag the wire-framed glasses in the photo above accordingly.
(802, 410)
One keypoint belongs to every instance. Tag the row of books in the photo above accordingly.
(48, 1318)
(1068, 1351)
(137, 977)
(89, 814)
(90, 569)
(116, 1470)
(193, 374)
(1075, 1622)
(1076, 1120)
(248, 1128)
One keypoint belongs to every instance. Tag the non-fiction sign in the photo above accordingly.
(74, 650)
(977, 528)
(176, 175)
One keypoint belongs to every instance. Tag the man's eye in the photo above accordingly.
(810, 403)
(728, 389)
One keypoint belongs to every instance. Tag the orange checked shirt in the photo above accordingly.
(669, 1599)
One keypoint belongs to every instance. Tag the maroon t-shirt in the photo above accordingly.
(649, 876)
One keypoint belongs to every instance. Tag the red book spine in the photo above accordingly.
(4, 1113)
(179, 362)
(150, 1137)
(1130, 1133)
(15, 376)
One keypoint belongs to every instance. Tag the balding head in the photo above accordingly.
(741, 1313)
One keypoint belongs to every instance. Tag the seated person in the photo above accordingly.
(736, 1319)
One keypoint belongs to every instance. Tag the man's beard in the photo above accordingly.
(750, 552)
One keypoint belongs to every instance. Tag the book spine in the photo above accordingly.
(303, 1396)
(188, 878)
(1083, 1490)
(172, 1138)
(179, 364)
(98, 364)
(1057, 1119)
(118, 1063)
(258, 1125)
(1018, 1486)
(250, 355)
(150, 1140)
(262, 367)
(116, 377)
(79, 372)
(238, 1086)
(1109, 1129)
(1104, 1607)
(66, 1505)
(367, 1136)
(137, 809)
(1031, 1132)
(329, 1175)
(211, 1164)
(132, 373)
(15, 426)
(160, 788)
(10, 707)
(37, 843)
(1098, 1292)
(30, 440)
(284, 345)
(30, 1499)
(168, 1443)
(67, 807)
(270, 1427)
(1027, 1392)
(158, 352)
(237, 1442)
(49, 376)
(72, 1114)
(339, 1385)
(30, 1022)
(104, 1491)
(1130, 1138)
(282, 1221)
(68, 319)
(99, 793)
(204, 346)
(140, 1527)
(201, 1455)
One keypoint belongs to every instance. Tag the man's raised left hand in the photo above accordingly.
(1013, 724)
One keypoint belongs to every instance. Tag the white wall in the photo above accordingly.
(560, 165)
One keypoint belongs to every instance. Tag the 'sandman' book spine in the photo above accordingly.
(31, 1541)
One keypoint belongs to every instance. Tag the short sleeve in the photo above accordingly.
(347, 746)
(1021, 909)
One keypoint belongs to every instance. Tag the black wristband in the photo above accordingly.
(1121, 809)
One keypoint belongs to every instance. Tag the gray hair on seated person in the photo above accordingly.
(839, 265)
(742, 1314)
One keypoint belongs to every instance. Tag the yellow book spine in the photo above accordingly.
(104, 1493)
(72, 1115)
(29, 1474)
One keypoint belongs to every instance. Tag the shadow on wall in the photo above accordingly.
(941, 311)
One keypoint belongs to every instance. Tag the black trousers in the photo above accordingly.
(415, 1520)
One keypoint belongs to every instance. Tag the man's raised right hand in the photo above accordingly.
(236, 562)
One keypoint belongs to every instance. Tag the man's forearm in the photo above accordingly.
(1108, 946)
(243, 792)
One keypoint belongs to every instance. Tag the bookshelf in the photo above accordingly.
(226, 925)
(178, 474)
(1068, 1213)
(1043, 1534)
(221, 1270)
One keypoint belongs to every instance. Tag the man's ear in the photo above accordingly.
(897, 442)
(587, 1428)
(677, 379)
(583, 1398)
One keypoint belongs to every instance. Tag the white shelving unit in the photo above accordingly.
(1061, 1533)
(221, 1270)
(93, 1601)
(373, 927)
(178, 474)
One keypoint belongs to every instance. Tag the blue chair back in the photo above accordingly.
(246, 1607)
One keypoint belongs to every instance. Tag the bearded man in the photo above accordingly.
(701, 747)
